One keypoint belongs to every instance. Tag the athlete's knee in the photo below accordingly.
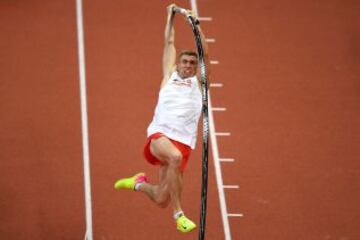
(175, 159)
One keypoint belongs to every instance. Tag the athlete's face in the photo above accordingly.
(187, 66)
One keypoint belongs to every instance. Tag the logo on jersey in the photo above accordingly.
(182, 82)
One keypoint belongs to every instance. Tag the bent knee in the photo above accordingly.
(175, 159)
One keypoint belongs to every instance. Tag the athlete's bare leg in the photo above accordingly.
(158, 193)
(170, 186)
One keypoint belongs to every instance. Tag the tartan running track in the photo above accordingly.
(289, 73)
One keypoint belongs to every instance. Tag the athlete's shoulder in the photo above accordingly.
(167, 77)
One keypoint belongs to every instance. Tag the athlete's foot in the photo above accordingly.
(184, 224)
(130, 183)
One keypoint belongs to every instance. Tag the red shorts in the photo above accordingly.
(184, 149)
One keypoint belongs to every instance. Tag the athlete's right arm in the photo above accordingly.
(169, 55)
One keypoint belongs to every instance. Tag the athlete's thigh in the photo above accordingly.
(162, 148)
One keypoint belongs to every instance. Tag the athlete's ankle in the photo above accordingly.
(138, 186)
(178, 214)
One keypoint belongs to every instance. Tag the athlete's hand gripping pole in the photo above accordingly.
(188, 14)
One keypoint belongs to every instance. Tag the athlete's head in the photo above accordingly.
(187, 64)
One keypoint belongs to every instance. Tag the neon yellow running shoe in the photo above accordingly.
(129, 183)
(184, 224)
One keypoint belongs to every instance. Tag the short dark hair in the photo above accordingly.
(188, 53)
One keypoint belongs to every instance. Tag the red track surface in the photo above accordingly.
(291, 87)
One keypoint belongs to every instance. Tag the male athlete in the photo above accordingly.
(173, 131)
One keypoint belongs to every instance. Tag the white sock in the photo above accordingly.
(137, 186)
(178, 214)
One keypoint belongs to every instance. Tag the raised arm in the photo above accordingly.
(169, 55)
(204, 45)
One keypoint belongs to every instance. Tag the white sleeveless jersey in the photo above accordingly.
(178, 110)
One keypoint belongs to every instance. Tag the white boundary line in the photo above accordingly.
(215, 151)
(205, 19)
(84, 120)
(222, 134)
(218, 109)
(235, 215)
(218, 173)
(194, 7)
(231, 186)
(216, 85)
(227, 160)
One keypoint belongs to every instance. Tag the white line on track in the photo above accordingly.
(219, 85)
(235, 215)
(218, 109)
(218, 173)
(215, 151)
(223, 134)
(205, 19)
(231, 186)
(214, 62)
(84, 120)
(227, 160)
(210, 40)
(194, 7)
